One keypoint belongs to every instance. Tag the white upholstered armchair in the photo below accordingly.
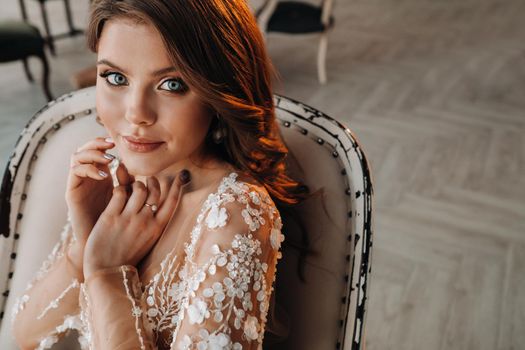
(326, 312)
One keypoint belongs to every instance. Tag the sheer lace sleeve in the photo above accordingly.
(229, 274)
(112, 310)
(49, 306)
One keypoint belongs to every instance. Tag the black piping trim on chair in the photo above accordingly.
(5, 203)
(5, 194)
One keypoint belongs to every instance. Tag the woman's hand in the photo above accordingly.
(128, 228)
(89, 189)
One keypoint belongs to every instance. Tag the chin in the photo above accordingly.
(141, 167)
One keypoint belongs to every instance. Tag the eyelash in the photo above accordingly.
(183, 86)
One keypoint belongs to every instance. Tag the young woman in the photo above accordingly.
(182, 252)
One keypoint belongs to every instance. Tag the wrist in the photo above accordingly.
(91, 270)
(75, 255)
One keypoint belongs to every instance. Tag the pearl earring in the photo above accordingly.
(219, 133)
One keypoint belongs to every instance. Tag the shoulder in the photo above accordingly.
(240, 209)
(238, 198)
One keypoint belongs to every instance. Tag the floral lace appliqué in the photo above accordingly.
(229, 302)
(226, 297)
(216, 217)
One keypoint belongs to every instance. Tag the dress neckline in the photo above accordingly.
(233, 175)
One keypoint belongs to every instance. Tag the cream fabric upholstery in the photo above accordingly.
(326, 312)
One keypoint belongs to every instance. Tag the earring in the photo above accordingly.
(98, 120)
(219, 133)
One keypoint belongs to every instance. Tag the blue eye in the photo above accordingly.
(115, 78)
(174, 85)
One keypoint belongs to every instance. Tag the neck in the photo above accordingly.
(202, 173)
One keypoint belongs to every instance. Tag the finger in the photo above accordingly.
(168, 207)
(137, 199)
(165, 185)
(153, 186)
(91, 156)
(99, 143)
(123, 176)
(118, 201)
(83, 171)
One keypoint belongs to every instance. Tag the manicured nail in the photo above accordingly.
(109, 140)
(102, 173)
(185, 176)
(109, 156)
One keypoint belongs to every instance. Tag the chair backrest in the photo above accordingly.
(326, 312)
(265, 12)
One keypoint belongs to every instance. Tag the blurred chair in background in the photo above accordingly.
(20, 40)
(50, 39)
(293, 17)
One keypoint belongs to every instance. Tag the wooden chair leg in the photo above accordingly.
(23, 9)
(321, 58)
(28, 72)
(69, 18)
(45, 76)
(49, 38)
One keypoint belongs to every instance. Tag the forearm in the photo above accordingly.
(46, 304)
(111, 302)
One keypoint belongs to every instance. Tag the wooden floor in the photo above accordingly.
(435, 92)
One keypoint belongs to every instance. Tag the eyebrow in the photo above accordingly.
(155, 73)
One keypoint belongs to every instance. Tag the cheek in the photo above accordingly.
(109, 108)
(187, 119)
(190, 128)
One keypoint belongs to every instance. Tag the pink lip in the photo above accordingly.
(137, 139)
(141, 145)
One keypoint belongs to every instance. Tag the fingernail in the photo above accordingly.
(185, 176)
(109, 140)
(109, 156)
(102, 173)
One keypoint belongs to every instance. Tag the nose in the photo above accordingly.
(139, 108)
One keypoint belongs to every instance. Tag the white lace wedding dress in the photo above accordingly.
(211, 289)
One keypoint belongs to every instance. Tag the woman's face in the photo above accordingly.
(155, 119)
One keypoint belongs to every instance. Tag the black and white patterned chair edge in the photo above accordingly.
(13, 187)
(346, 148)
